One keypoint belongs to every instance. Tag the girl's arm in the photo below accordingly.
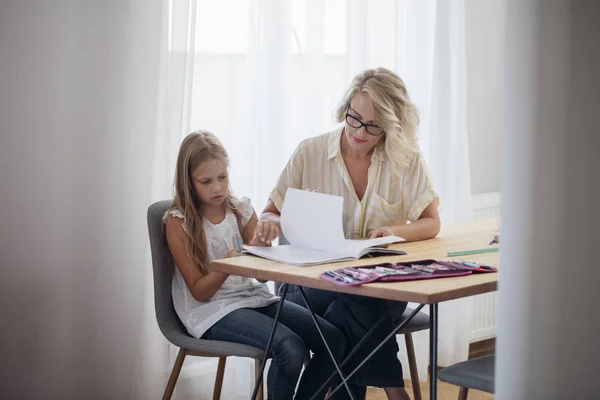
(426, 227)
(202, 287)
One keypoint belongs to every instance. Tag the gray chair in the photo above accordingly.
(419, 322)
(477, 373)
(169, 322)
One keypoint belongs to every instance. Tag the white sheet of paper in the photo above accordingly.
(314, 220)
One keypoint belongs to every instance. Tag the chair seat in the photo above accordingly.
(419, 322)
(225, 348)
(216, 347)
(473, 374)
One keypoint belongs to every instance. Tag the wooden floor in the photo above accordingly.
(445, 392)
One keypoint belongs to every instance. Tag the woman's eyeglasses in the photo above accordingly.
(354, 122)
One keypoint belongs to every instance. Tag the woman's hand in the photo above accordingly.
(381, 232)
(264, 233)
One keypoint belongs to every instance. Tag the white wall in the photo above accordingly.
(485, 57)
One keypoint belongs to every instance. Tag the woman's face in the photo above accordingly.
(361, 112)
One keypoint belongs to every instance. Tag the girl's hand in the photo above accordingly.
(233, 253)
(380, 232)
(264, 233)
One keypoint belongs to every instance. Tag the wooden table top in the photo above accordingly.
(466, 236)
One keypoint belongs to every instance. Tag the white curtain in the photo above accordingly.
(434, 67)
(78, 99)
(263, 75)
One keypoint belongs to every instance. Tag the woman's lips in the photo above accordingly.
(359, 141)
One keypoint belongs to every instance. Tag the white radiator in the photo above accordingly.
(484, 306)
(485, 205)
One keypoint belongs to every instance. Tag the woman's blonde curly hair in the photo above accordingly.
(397, 115)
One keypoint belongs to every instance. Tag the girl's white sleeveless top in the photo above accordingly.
(236, 292)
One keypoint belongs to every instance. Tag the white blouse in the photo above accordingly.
(389, 199)
(236, 292)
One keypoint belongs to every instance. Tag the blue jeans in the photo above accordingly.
(296, 334)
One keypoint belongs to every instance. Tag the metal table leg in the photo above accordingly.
(433, 341)
(337, 367)
(354, 350)
(269, 343)
(388, 337)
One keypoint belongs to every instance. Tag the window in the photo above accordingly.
(233, 26)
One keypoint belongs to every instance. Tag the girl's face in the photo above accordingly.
(211, 182)
(361, 112)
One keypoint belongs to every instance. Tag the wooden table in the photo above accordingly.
(472, 235)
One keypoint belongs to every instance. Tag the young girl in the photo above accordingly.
(203, 225)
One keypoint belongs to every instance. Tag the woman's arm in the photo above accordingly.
(260, 233)
(426, 227)
(272, 214)
(253, 236)
(202, 287)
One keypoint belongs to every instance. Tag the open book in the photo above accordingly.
(312, 223)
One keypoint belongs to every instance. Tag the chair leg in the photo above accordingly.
(257, 363)
(219, 378)
(174, 374)
(412, 365)
(462, 395)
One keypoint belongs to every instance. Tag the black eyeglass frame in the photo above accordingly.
(361, 124)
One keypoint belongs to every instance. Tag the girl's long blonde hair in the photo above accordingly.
(197, 148)
(397, 114)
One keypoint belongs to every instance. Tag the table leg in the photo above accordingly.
(354, 350)
(388, 337)
(337, 367)
(269, 343)
(433, 342)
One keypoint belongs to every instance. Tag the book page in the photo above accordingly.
(356, 247)
(314, 220)
(295, 255)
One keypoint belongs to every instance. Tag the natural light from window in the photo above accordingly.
(222, 26)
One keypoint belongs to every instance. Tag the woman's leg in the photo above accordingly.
(320, 366)
(321, 302)
(253, 327)
(318, 299)
(355, 316)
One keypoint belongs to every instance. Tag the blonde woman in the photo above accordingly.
(204, 224)
(373, 161)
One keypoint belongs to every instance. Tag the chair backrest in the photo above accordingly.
(167, 319)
